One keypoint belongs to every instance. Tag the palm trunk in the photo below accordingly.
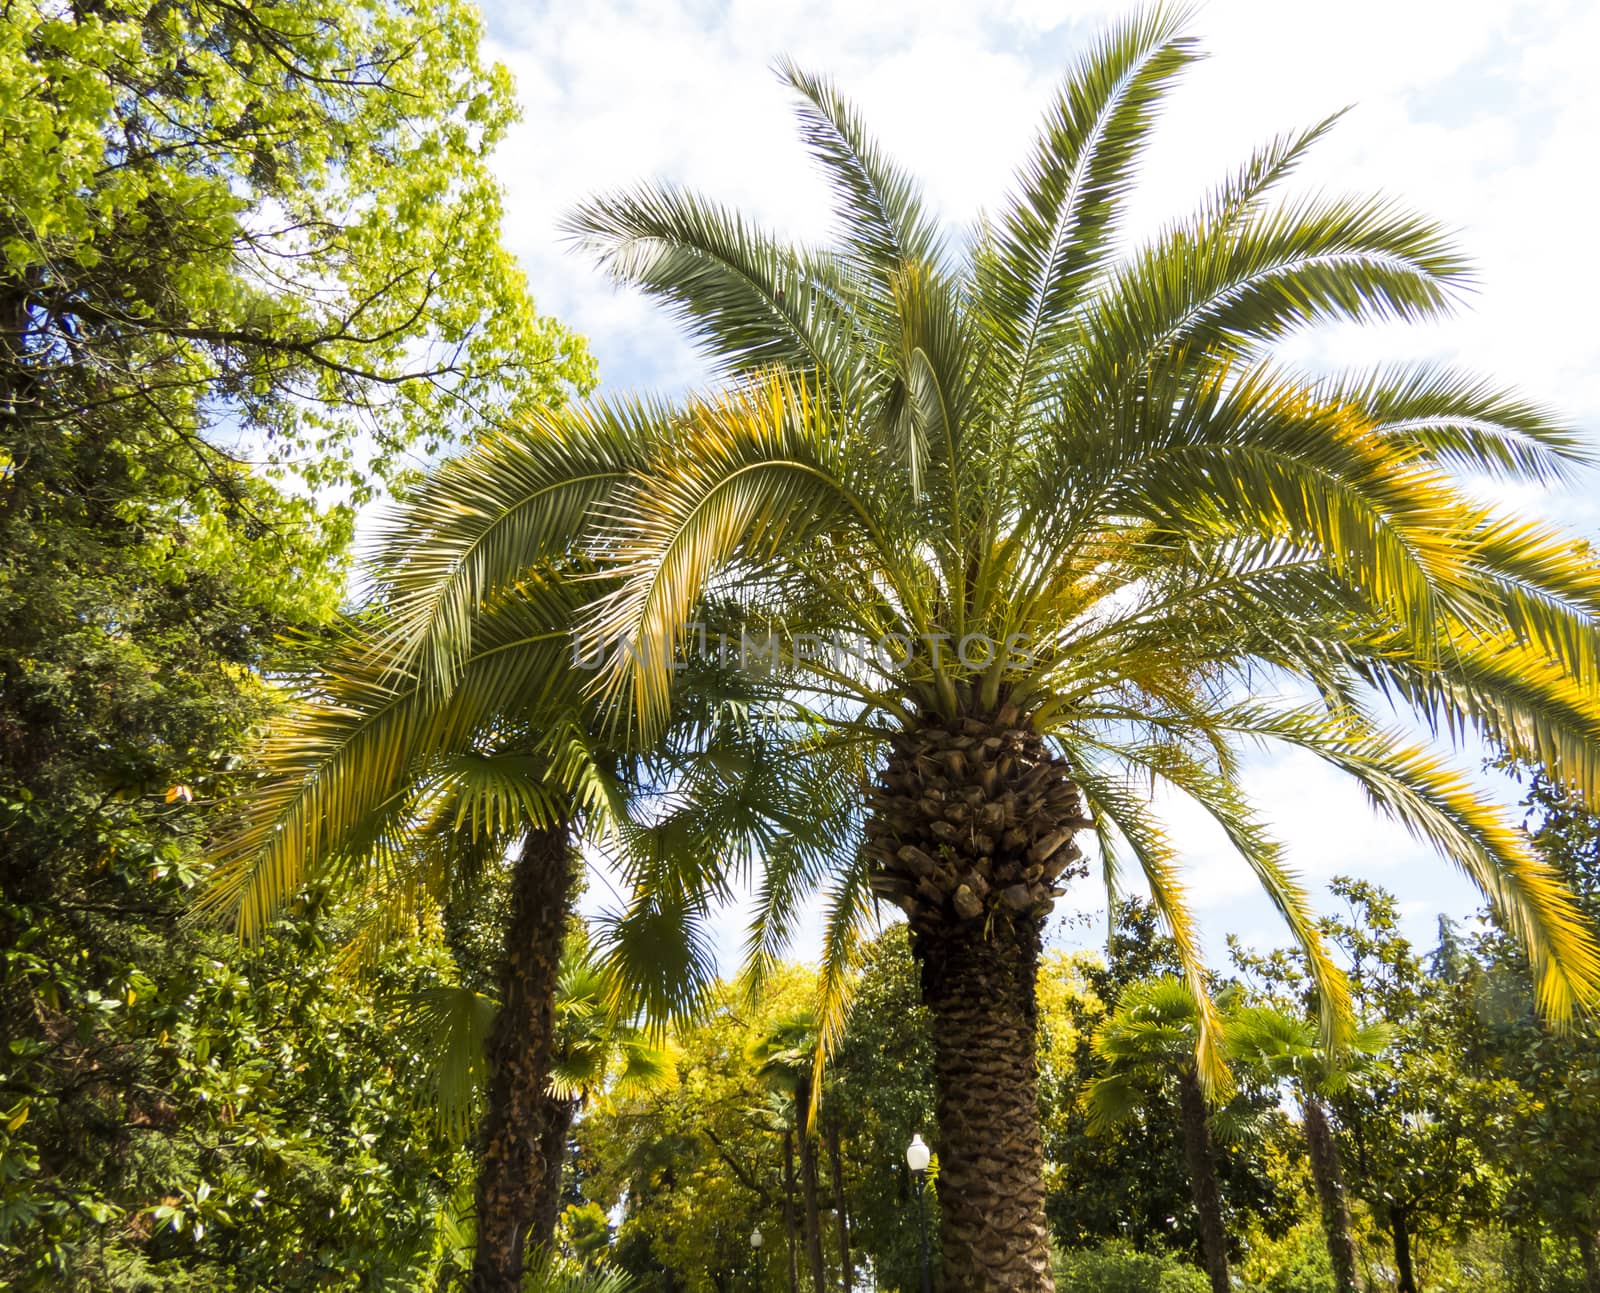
(808, 1196)
(1591, 1260)
(970, 835)
(1400, 1232)
(788, 1212)
(553, 1149)
(1327, 1172)
(511, 1175)
(1201, 1161)
(840, 1216)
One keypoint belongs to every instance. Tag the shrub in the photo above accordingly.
(1117, 1268)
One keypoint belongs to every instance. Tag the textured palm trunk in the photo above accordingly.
(1203, 1188)
(971, 836)
(553, 1141)
(1400, 1233)
(1327, 1172)
(511, 1174)
(841, 1217)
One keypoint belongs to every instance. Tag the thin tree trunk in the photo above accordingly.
(1591, 1260)
(808, 1192)
(511, 1175)
(840, 1214)
(788, 1212)
(1197, 1153)
(1327, 1172)
(553, 1149)
(1401, 1234)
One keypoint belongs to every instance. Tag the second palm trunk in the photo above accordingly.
(512, 1177)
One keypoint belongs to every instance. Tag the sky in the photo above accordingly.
(1483, 115)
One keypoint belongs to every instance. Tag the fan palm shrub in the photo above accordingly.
(1149, 1044)
(594, 1051)
(1286, 1048)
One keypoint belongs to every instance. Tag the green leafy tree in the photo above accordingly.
(271, 223)
(227, 234)
(695, 1167)
(880, 1093)
(1544, 1129)
(1410, 1123)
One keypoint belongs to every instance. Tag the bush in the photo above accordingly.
(1117, 1268)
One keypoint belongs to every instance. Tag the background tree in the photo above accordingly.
(786, 1061)
(1409, 1124)
(1286, 1047)
(1129, 1184)
(880, 1093)
(187, 287)
(1150, 1041)
(1543, 1119)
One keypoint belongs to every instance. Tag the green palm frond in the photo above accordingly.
(452, 1025)
(478, 524)
(884, 225)
(1053, 238)
(752, 302)
(1221, 286)
(1123, 815)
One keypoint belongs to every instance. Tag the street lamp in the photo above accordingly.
(918, 1156)
(755, 1250)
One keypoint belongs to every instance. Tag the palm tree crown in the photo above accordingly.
(1092, 454)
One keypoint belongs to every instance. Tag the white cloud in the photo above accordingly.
(1483, 113)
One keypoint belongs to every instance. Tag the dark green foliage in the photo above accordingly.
(880, 1094)
(1544, 1126)
(187, 292)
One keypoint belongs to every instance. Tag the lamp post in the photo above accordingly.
(917, 1158)
(755, 1251)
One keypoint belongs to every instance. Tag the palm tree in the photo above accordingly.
(401, 787)
(1151, 1040)
(1095, 536)
(597, 1054)
(785, 1059)
(1287, 1048)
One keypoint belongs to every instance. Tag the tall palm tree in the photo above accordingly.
(1287, 1048)
(1095, 537)
(1149, 1042)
